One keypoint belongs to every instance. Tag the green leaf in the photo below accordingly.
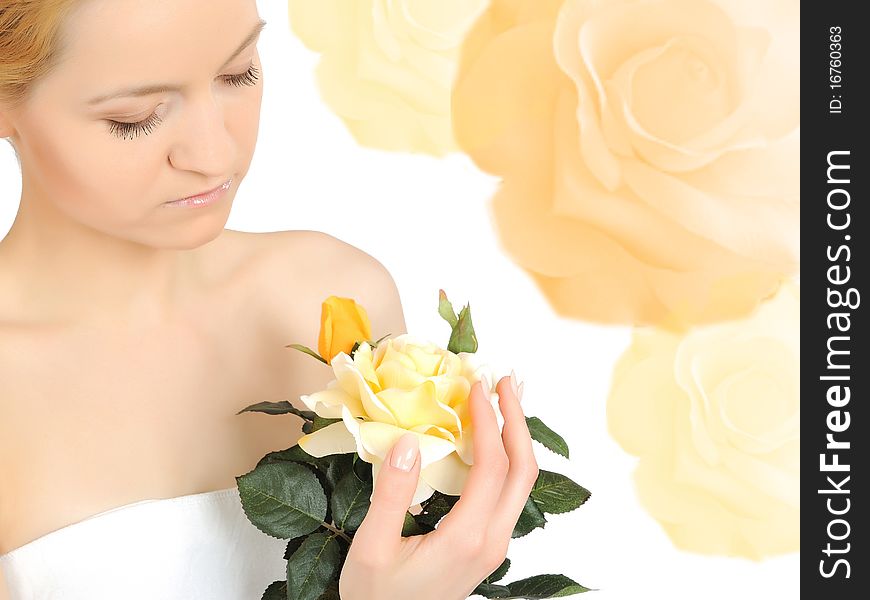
(312, 567)
(555, 493)
(500, 572)
(545, 586)
(362, 468)
(293, 546)
(282, 499)
(445, 309)
(277, 590)
(331, 592)
(411, 527)
(533, 588)
(435, 508)
(318, 423)
(531, 518)
(309, 351)
(490, 590)
(546, 436)
(463, 339)
(338, 466)
(350, 502)
(328, 469)
(324, 485)
(297, 454)
(278, 408)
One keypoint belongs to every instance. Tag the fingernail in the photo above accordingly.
(514, 383)
(484, 385)
(405, 452)
(520, 392)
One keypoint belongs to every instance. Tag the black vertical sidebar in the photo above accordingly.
(835, 364)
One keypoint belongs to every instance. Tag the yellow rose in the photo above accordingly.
(714, 417)
(387, 66)
(403, 385)
(343, 322)
(649, 151)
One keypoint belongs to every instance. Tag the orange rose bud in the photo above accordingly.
(343, 323)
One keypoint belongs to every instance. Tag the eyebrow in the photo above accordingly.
(147, 90)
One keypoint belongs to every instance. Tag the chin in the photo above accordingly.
(190, 234)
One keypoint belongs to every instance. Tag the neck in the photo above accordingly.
(53, 269)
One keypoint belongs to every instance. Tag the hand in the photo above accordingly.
(471, 541)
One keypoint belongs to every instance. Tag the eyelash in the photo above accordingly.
(122, 130)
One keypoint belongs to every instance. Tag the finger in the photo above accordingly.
(486, 475)
(380, 532)
(523, 466)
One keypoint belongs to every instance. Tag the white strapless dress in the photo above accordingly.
(195, 547)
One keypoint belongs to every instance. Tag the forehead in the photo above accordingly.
(119, 41)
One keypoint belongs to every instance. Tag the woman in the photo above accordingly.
(133, 326)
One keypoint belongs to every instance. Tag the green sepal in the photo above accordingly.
(278, 408)
(308, 351)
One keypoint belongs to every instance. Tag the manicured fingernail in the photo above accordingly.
(514, 382)
(520, 392)
(405, 452)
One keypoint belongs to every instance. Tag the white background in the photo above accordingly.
(428, 221)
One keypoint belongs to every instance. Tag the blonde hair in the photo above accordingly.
(31, 44)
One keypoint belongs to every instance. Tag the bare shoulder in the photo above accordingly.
(304, 267)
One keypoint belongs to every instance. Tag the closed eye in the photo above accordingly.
(123, 130)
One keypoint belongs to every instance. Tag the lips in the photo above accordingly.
(224, 185)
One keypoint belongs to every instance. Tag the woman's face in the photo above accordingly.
(116, 177)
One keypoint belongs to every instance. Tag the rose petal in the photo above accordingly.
(310, 20)
(731, 133)
(765, 230)
(332, 439)
(643, 397)
(394, 374)
(327, 403)
(427, 360)
(766, 172)
(352, 424)
(447, 475)
(422, 492)
(502, 113)
(438, 24)
(379, 438)
(653, 237)
(419, 405)
(435, 431)
(353, 382)
(363, 361)
(567, 49)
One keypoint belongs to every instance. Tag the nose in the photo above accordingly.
(204, 143)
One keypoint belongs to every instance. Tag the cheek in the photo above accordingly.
(246, 123)
(83, 172)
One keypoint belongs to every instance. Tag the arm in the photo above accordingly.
(360, 276)
(379, 295)
(4, 591)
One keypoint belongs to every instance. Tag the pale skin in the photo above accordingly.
(117, 312)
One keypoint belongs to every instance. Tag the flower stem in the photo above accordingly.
(338, 532)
